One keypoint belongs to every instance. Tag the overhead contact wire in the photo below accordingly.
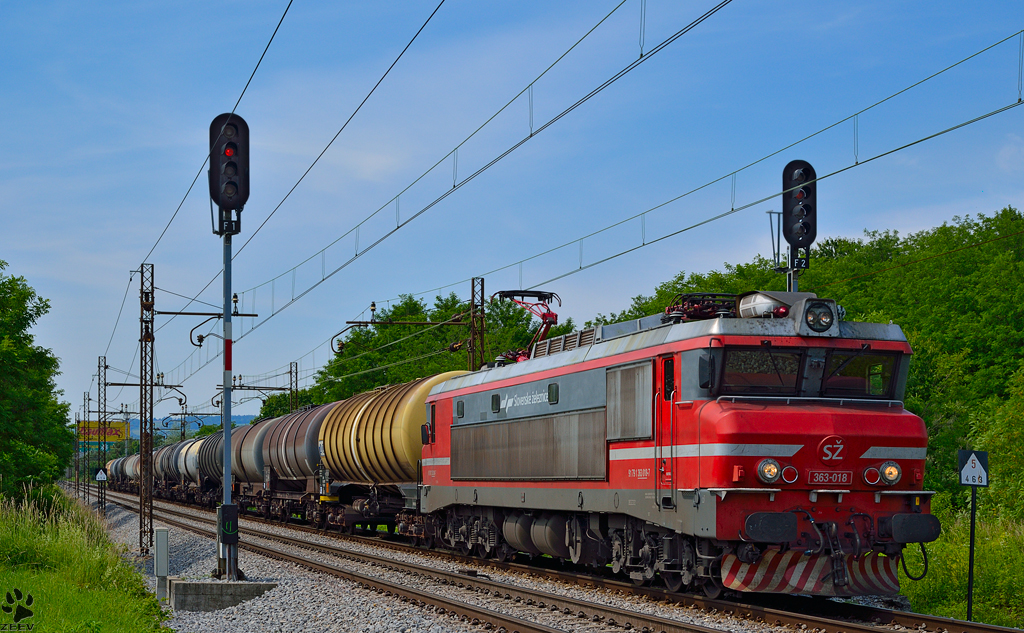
(490, 164)
(319, 156)
(239, 100)
(331, 142)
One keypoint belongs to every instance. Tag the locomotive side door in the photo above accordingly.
(666, 387)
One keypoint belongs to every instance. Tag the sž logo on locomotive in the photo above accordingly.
(832, 450)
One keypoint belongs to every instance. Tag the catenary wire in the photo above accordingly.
(508, 151)
(721, 178)
(757, 202)
(344, 125)
(490, 164)
(190, 299)
(401, 362)
(205, 160)
(194, 180)
(316, 160)
(726, 176)
(432, 167)
(594, 92)
(118, 319)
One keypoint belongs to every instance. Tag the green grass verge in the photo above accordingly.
(59, 553)
(998, 572)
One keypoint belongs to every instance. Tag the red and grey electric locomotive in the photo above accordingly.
(754, 443)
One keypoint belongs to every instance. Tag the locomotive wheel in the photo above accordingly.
(673, 580)
(427, 542)
(712, 589)
(350, 528)
(638, 582)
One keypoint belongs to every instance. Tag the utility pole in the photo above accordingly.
(85, 422)
(476, 325)
(293, 385)
(101, 406)
(78, 455)
(146, 341)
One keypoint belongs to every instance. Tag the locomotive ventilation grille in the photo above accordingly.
(565, 343)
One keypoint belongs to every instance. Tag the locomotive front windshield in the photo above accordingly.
(761, 371)
(854, 374)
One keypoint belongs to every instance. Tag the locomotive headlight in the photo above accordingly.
(768, 471)
(819, 317)
(890, 472)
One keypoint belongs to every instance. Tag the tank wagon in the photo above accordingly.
(750, 443)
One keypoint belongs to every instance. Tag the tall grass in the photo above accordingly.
(60, 553)
(998, 572)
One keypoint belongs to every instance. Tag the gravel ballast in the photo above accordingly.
(309, 598)
(303, 600)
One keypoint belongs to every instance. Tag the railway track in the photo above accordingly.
(573, 610)
(796, 612)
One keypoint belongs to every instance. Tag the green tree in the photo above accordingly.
(35, 443)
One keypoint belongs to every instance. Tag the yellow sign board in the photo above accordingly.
(91, 431)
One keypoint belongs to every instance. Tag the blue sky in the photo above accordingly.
(106, 106)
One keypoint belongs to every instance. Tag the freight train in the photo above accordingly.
(752, 443)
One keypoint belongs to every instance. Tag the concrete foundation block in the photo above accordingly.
(198, 595)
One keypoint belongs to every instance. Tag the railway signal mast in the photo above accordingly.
(799, 217)
(229, 190)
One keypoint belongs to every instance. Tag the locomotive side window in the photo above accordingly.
(854, 374)
(761, 371)
(629, 396)
(460, 409)
(495, 403)
(669, 378)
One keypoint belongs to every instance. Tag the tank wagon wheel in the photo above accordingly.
(503, 553)
(479, 550)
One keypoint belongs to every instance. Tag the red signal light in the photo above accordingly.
(229, 151)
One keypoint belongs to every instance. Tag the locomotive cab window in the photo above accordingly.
(761, 371)
(856, 374)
